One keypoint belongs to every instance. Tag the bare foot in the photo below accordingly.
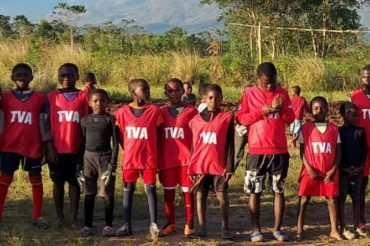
(336, 235)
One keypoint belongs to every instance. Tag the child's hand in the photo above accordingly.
(268, 110)
(227, 176)
(329, 175)
(313, 174)
(277, 102)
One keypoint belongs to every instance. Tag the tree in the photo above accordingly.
(22, 26)
(69, 14)
(5, 27)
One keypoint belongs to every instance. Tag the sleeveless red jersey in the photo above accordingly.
(175, 136)
(21, 133)
(65, 118)
(299, 104)
(319, 148)
(360, 99)
(139, 137)
(209, 141)
(266, 133)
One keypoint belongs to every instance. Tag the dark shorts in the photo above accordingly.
(95, 164)
(65, 169)
(214, 183)
(259, 167)
(9, 163)
(350, 185)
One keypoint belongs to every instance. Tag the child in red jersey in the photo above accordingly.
(175, 145)
(138, 123)
(361, 98)
(67, 106)
(212, 157)
(320, 152)
(90, 82)
(25, 132)
(299, 105)
(265, 109)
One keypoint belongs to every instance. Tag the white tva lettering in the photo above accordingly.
(321, 147)
(365, 113)
(174, 132)
(68, 116)
(136, 132)
(21, 117)
(209, 137)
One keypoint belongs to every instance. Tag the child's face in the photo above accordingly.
(319, 111)
(267, 83)
(98, 102)
(213, 100)
(141, 92)
(22, 78)
(294, 92)
(188, 89)
(365, 77)
(174, 92)
(351, 116)
(68, 76)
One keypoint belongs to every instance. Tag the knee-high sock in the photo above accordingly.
(169, 205)
(189, 208)
(37, 194)
(5, 182)
(151, 193)
(128, 195)
(89, 202)
(109, 207)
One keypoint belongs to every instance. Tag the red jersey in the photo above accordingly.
(266, 133)
(65, 118)
(21, 133)
(209, 140)
(360, 99)
(299, 104)
(139, 137)
(175, 136)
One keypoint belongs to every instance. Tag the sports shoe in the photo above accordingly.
(347, 234)
(108, 231)
(189, 231)
(167, 229)
(361, 232)
(86, 231)
(40, 223)
(153, 232)
(124, 230)
(280, 236)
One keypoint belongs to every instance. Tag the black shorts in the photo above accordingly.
(350, 185)
(9, 163)
(95, 164)
(65, 169)
(214, 183)
(275, 167)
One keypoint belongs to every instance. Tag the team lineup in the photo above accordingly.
(179, 144)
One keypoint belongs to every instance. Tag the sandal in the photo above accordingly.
(256, 236)
(280, 236)
(108, 232)
(86, 231)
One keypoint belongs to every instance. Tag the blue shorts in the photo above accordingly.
(9, 163)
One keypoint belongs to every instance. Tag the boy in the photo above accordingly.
(212, 157)
(175, 145)
(67, 106)
(90, 82)
(353, 143)
(201, 91)
(299, 105)
(100, 161)
(25, 131)
(138, 123)
(188, 97)
(361, 98)
(265, 109)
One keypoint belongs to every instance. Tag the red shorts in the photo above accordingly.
(310, 187)
(367, 164)
(178, 175)
(131, 175)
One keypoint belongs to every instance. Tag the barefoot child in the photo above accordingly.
(212, 157)
(320, 152)
(299, 105)
(138, 122)
(353, 144)
(175, 145)
(100, 160)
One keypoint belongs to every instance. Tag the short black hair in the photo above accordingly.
(90, 77)
(69, 65)
(176, 80)
(296, 89)
(22, 65)
(366, 68)
(202, 87)
(100, 92)
(266, 68)
(319, 99)
(213, 87)
(188, 84)
(346, 105)
(134, 83)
